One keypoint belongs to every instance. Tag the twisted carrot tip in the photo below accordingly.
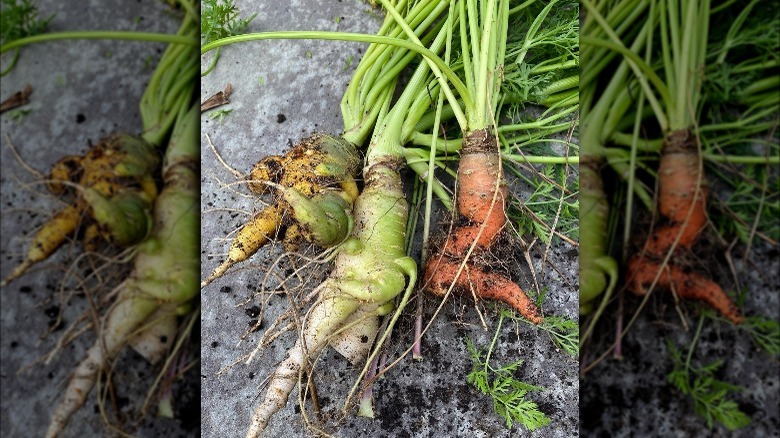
(441, 273)
(687, 285)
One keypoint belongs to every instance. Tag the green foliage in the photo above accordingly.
(348, 63)
(565, 333)
(740, 108)
(19, 115)
(508, 393)
(19, 19)
(220, 114)
(219, 19)
(739, 53)
(751, 201)
(544, 203)
(536, 42)
(765, 332)
(711, 397)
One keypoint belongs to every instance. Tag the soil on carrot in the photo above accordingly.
(481, 205)
(706, 261)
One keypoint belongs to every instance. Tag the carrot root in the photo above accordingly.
(682, 195)
(313, 188)
(687, 285)
(250, 238)
(371, 269)
(481, 203)
(112, 205)
(128, 313)
(47, 240)
(682, 203)
(440, 274)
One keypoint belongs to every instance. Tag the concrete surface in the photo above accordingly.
(82, 90)
(283, 91)
(632, 397)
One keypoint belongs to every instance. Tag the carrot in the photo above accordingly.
(370, 271)
(164, 276)
(325, 163)
(485, 284)
(687, 285)
(682, 204)
(682, 196)
(598, 271)
(675, 90)
(482, 190)
(482, 220)
(112, 197)
(313, 189)
(113, 201)
(371, 267)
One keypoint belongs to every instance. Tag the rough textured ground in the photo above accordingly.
(631, 396)
(283, 91)
(82, 90)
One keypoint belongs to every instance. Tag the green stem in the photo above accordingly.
(693, 343)
(343, 36)
(435, 67)
(101, 35)
(740, 159)
(493, 342)
(531, 159)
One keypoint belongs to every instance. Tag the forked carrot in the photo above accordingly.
(481, 221)
(490, 285)
(682, 204)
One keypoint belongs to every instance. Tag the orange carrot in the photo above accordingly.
(688, 285)
(485, 285)
(678, 200)
(682, 204)
(481, 221)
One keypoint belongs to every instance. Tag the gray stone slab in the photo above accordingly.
(303, 81)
